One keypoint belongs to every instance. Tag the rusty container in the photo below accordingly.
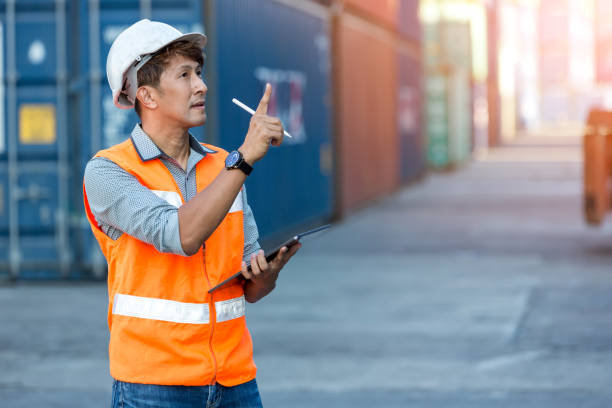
(365, 99)
(400, 16)
(598, 131)
(383, 12)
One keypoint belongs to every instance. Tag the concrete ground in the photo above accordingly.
(477, 288)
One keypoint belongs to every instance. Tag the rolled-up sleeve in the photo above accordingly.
(121, 204)
(251, 233)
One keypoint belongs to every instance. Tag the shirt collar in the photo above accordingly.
(148, 150)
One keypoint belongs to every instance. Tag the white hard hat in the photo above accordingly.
(132, 49)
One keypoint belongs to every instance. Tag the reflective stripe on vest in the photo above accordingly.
(171, 197)
(230, 309)
(177, 312)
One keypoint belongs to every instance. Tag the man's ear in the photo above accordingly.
(146, 95)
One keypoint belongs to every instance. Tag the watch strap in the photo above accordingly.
(244, 166)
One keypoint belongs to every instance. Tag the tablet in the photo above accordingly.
(272, 254)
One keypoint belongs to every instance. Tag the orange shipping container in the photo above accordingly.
(367, 141)
(384, 11)
(597, 166)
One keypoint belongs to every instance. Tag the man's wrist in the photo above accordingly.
(246, 156)
(235, 160)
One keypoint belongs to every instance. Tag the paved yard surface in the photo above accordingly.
(477, 288)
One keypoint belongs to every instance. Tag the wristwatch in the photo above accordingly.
(235, 161)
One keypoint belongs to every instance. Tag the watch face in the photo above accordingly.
(232, 159)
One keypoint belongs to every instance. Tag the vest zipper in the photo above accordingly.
(212, 324)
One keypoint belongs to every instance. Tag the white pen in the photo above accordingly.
(252, 112)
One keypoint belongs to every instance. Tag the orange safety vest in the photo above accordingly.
(165, 328)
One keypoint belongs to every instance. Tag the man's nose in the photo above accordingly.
(200, 86)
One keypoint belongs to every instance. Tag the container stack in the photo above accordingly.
(448, 92)
(378, 99)
(347, 84)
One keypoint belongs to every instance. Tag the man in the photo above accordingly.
(172, 219)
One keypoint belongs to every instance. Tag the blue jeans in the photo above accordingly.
(130, 395)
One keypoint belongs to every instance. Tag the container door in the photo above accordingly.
(34, 150)
(267, 41)
(99, 123)
(409, 114)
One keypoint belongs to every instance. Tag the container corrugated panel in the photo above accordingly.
(249, 45)
(493, 94)
(437, 119)
(596, 166)
(34, 164)
(448, 61)
(366, 113)
(56, 111)
(398, 15)
(407, 21)
(436, 98)
(382, 11)
(456, 37)
(603, 40)
(97, 122)
(460, 116)
(410, 113)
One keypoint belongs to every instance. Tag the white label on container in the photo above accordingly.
(2, 122)
(286, 101)
(37, 52)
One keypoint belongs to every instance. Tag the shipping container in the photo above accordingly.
(408, 20)
(493, 92)
(380, 12)
(481, 117)
(97, 123)
(293, 184)
(400, 16)
(603, 40)
(449, 98)
(34, 158)
(366, 88)
(410, 112)
(56, 112)
(437, 124)
(597, 144)
(457, 51)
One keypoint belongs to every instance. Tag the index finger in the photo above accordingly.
(262, 108)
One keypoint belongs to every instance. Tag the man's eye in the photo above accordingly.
(184, 75)
(199, 73)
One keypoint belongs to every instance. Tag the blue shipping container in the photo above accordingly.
(35, 175)
(251, 43)
(56, 111)
(100, 124)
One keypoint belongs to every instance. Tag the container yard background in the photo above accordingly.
(444, 140)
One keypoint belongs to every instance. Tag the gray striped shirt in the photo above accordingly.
(121, 204)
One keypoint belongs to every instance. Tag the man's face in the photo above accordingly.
(181, 93)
